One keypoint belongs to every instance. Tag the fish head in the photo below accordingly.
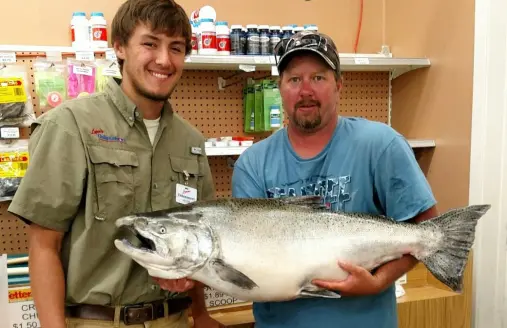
(169, 245)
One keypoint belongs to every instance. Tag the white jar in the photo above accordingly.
(274, 116)
(195, 45)
(223, 39)
(207, 37)
(80, 30)
(98, 30)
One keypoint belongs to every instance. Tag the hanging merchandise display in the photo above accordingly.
(81, 78)
(13, 165)
(49, 81)
(105, 70)
(16, 107)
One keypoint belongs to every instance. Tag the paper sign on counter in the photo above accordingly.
(4, 283)
(22, 308)
(214, 298)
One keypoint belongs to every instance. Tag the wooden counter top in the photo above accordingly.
(241, 314)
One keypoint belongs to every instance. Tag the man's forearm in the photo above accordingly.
(392, 271)
(198, 301)
(48, 287)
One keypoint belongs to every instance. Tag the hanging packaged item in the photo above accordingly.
(50, 83)
(13, 165)
(16, 107)
(105, 70)
(80, 78)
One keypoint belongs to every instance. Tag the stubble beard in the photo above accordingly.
(149, 95)
(307, 124)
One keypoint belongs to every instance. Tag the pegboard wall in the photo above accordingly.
(216, 113)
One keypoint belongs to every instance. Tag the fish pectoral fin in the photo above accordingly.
(313, 291)
(229, 274)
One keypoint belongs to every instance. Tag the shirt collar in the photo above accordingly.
(128, 109)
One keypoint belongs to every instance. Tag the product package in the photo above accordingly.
(13, 165)
(16, 106)
(81, 78)
(249, 107)
(272, 100)
(50, 83)
(105, 70)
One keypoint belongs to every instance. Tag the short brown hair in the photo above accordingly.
(159, 15)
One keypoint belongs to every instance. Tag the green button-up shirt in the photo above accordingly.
(91, 162)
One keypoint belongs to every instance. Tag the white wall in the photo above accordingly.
(488, 170)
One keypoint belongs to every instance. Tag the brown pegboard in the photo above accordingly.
(218, 113)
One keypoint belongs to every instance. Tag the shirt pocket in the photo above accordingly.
(186, 171)
(114, 181)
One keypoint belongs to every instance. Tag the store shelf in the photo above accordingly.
(237, 150)
(421, 143)
(349, 61)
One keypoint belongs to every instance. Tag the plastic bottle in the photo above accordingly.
(98, 30)
(207, 37)
(203, 12)
(80, 30)
(298, 29)
(264, 39)
(252, 40)
(235, 36)
(223, 39)
(244, 43)
(274, 37)
(195, 46)
(311, 27)
(287, 31)
(274, 116)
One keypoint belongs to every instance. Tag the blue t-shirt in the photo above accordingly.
(366, 167)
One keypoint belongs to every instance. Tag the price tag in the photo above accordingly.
(78, 70)
(85, 55)
(54, 56)
(9, 133)
(22, 308)
(262, 59)
(111, 55)
(7, 57)
(214, 298)
(362, 61)
(247, 68)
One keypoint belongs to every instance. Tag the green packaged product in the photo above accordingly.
(50, 83)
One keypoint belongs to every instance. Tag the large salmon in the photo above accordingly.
(271, 249)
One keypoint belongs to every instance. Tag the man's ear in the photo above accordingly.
(119, 50)
(339, 83)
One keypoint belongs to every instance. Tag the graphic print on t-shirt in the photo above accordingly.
(333, 190)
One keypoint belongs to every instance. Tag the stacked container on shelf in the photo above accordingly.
(88, 34)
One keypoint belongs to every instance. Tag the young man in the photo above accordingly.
(356, 165)
(97, 158)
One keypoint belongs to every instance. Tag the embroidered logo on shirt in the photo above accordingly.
(100, 134)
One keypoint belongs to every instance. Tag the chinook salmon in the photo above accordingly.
(272, 249)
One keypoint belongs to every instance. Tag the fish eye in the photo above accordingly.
(162, 230)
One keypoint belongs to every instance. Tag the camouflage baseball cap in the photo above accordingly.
(313, 41)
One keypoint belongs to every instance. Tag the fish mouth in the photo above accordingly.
(145, 252)
(147, 244)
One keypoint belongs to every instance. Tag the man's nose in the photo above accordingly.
(163, 58)
(306, 88)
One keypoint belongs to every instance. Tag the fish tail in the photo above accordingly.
(458, 226)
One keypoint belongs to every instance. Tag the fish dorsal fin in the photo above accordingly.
(311, 202)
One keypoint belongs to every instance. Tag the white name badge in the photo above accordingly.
(185, 194)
